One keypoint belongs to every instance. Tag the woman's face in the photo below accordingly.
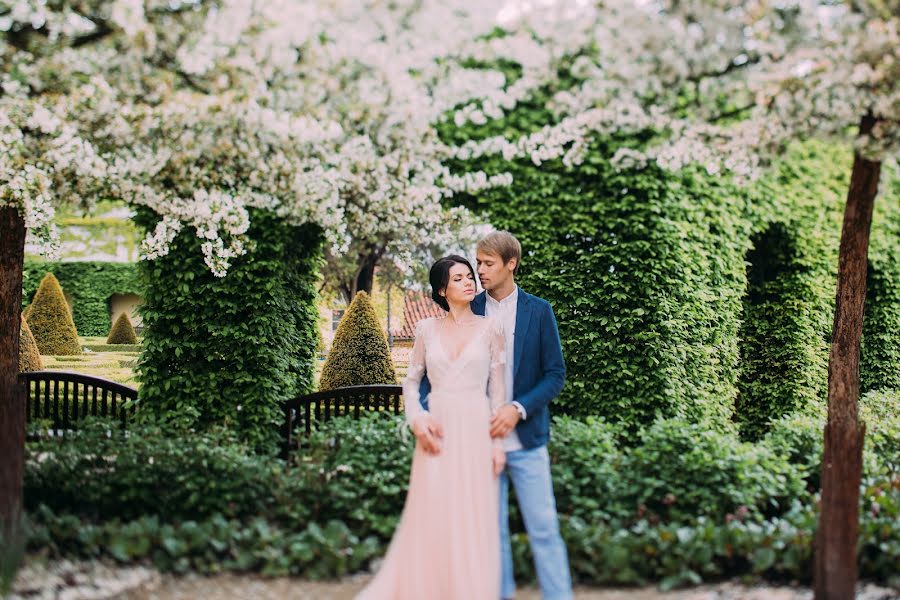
(461, 286)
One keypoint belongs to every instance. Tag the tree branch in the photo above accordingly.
(731, 113)
(732, 66)
(103, 30)
(185, 77)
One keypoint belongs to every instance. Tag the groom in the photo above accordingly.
(536, 369)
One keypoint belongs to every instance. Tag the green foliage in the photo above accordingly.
(880, 411)
(676, 472)
(228, 351)
(800, 438)
(122, 331)
(645, 273)
(660, 316)
(358, 471)
(791, 279)
(680, 469)
(211, 546)
(29, 355)
(50, 321)
(359, 352)
(99, 474)
(90, 285)
(710, 549)
(204, 502)
(880, 359)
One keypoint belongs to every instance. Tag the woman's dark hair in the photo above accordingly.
(439, 277)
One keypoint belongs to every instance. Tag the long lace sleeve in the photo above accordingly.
(497, 378)
(411, 402)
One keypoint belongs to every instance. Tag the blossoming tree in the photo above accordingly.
(728, 84)
(324, 112)
(203, 110)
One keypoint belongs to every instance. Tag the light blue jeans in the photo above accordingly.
(529, 471)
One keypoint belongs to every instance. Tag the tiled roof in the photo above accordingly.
(416, 306)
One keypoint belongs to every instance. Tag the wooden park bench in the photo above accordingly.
(305, 412)
(62, 398)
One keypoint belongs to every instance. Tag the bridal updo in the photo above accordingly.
(439, 277)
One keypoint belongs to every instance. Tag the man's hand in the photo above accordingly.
(504, 420)
(428, 432)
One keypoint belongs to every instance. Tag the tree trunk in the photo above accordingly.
(836, 538)
(365, 276)
(12, 397)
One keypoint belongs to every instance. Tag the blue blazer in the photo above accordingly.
(539, 371)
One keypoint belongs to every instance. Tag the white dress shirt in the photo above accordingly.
(505, 310)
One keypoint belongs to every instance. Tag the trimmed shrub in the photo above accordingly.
(681, 470)
(50, 320)
(229, 351)
(799, 438)
(122, 332)
(90, 285)
(100, 474)
(359, 353)
(29, 356)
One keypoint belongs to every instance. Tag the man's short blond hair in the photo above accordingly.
(503, 244)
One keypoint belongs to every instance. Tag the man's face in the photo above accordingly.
(492, 272)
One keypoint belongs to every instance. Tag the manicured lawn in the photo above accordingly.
(115, 365)
(118, 363)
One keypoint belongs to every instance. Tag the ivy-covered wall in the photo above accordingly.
(227, 351)
(880, 360)
(645, 273)
(90, 286)
(682, 294)
(791, 285)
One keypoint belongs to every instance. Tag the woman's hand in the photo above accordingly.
(428, 432)
(499, 459)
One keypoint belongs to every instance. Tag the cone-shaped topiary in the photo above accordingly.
(29, 356)
(50, 320)
(122, 331)
(359, 353)
(26, 312)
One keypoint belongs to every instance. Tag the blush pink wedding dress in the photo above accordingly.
(447, 545)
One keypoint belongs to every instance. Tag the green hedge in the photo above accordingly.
(880, 359)
(659, 312)
(228, 351)
(645, 273)
(90, 285)
(715, 507)
(791, 281)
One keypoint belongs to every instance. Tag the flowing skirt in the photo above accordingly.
(447, 545)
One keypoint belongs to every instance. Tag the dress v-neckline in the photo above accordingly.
(465, 347)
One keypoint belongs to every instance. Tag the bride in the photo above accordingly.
(446, 546)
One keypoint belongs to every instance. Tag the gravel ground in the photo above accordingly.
(64, 580)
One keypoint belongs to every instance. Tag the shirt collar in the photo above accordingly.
(511, 299)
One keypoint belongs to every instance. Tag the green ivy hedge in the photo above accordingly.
(880, 359)
(645, 273)
(90, 285)
(659, 312)
(228, 351)
(791, 282)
